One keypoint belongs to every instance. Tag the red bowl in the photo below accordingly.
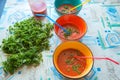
(79, 23)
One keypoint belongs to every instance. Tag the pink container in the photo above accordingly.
(38, 7)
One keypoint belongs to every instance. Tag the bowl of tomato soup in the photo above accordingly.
(63, 6)
(65, 62)
(72, 23)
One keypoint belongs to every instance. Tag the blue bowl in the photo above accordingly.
(58, 3)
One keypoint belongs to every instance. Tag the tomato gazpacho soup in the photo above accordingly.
(65, 9)
(68, 64)
(74, 32)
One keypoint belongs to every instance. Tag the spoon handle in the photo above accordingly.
(105, 58)
(57, 24)
(67, 32)
(79, 5)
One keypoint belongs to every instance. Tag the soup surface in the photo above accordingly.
(74, 32)
(70, 65)
(65, 9)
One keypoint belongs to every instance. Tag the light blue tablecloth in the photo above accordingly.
(102, 37)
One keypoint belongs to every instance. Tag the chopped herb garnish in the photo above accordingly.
(66, 7)
(71, 55)
(70, 32)
(76, 68)
(27, 40)
(64, 11)
(70, 61)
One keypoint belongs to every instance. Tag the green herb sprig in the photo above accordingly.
(25, 43)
